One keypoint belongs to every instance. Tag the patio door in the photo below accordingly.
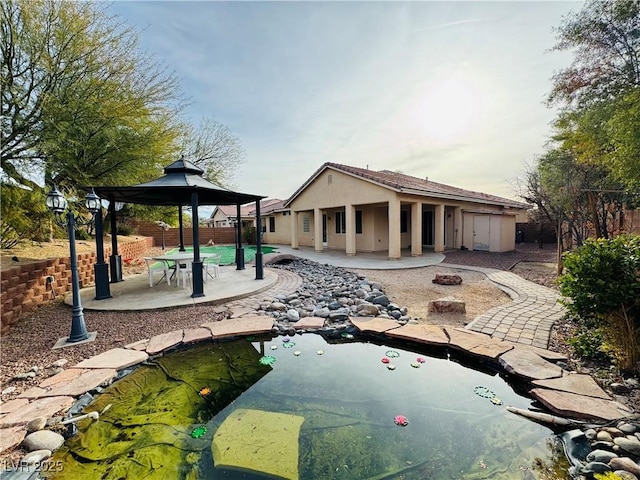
(324, 230)
(427, 227)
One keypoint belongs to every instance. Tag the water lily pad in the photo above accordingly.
(392, 354)
(415, 364)
(289, 344)
(199, 431)
(297, 353)
(267, 360)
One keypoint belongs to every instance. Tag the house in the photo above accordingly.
(276, 222)
(360, 210)
(227, 215)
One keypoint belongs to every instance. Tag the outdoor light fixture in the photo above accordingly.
(60, 208)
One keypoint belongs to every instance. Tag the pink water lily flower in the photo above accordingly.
(385, 360)
(401, 420)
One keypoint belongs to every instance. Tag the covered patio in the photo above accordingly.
(182, 185)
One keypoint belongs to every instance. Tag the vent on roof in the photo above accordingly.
(426, 179)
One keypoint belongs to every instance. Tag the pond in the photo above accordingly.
(228, 252)
(307, 408)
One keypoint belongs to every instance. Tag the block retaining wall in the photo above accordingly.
(219, 235)
(25, 287)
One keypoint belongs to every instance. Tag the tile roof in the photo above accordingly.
(412, 185)
(249, 209)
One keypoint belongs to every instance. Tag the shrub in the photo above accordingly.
(249, 235)
(602, 283)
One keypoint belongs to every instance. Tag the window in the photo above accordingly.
(341, 222)
(404, 221)
(305, 224)
(272, 224)
(358, 221)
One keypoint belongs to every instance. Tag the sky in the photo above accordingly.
(452, 91)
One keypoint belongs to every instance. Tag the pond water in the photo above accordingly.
(319, 411)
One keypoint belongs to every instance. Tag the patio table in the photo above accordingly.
(173, 260)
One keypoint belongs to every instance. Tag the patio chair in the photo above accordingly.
(213, 263)
(154, 266)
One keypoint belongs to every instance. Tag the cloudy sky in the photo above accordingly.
(452, 91)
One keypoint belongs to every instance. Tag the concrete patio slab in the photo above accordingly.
(240, 326)
(42, 407)
(428, 334)
(527, 364)
(164, 341)
(476, 343)
(117, 358)
(83, 383)
(374, 324)
(11, 437)
(309, 323)
(192, 335)
(575, 383)
(577, 406)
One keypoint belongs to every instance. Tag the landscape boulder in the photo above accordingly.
(447, 279)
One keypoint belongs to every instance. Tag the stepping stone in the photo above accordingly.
(139, 345)
(85, 382)
(546, 354)
(65, 376)
(578, 406)
(309, 323)
(33, 392)
(575, 383)
(117, 358)
(476, 343)
(240, 326)
(13, 405)
(240, 312)
(42, 407)
(164, 341)
(11, 437)
(192, 335)
(429, 334)
(258, 441)
(525, 363)
(376, 325)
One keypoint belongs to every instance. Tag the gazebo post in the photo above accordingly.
(196, 266)
(259, 269)
(181, 249)
(115, 260)
(239, 249)
(100, 268)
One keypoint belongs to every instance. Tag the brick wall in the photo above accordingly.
(25, 287)
(219, 235)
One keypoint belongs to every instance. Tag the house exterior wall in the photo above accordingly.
(219, 219)
(502, 231)
(282, 235)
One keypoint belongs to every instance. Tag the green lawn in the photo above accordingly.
(228, 252)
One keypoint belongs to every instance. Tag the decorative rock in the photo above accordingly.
(36, 424)
(596, 467)
(8, 390)
(60, 363)
(24, 376)
(447, 279)
(625, 463)
(293, 315)
(43, 440)
(604, 436)
(367, 310)
(590, 433)
(624, 475)
(600, 456)
(322, 312)
(619, 388)
(277, 306)
(446, 305)
(629, 444)
(525, 363)
(36, 456)
(627, 428)
(381, 300)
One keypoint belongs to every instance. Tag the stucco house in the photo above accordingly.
(226, 215)
(360, 210)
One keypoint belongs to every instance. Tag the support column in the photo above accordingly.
(416, 229)
(181, 246)
(101, 268)
(317, 230)
(438, 233)
(239, 249)
(115, 260)
(457, 227)
(259, 269)
(295, 241)
(394, 229)
(350, 221)
(197, 269)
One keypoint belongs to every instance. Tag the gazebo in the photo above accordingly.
(181, 185)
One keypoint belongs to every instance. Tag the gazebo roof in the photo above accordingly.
(180, 180)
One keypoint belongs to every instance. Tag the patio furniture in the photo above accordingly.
(212, 262)
(157, 266)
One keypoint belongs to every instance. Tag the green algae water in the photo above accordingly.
(307, 409)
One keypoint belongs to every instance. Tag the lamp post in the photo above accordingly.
(60, 207)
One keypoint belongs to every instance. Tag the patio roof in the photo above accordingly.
(181, 179)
